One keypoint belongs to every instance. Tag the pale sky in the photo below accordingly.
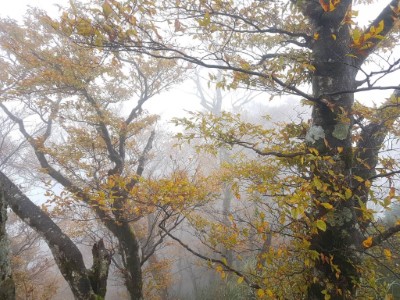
(16, 8)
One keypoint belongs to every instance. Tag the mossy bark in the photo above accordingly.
(331, 115)
(7, 286)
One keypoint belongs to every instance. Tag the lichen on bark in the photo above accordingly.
(341, 131)
(314, 134)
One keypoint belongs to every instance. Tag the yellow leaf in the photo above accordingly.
(380, 27)
(206, 20)
(339, 149)
(260, 293)
(387, 253)
(356, 36)
(348, 193)
(358, 178)
(327, 205)
(368, 242)
(316, 36)
(333, 36)
(240, 280)
(321, 225)
(107, 9)
(317, 183)
(389, 297)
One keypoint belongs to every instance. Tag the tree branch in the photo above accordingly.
(113, 154)
(389, 16)
(143, 157)
(383, 236)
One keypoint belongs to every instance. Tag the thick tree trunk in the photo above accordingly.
(133, 277)
(330, 134)
(131, 251)
(7, 286)
(67, 256)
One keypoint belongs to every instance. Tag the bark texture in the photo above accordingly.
(7, 286)
(99, 272)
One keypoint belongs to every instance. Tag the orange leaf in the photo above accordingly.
(325, 6)
(368, 242)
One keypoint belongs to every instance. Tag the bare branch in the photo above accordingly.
(209, 259)
(143, 156)
(113, 154)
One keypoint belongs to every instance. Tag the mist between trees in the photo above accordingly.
(283, 185)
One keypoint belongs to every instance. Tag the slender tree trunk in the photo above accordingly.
(153, 260)
(130, 252)
(7, 286)
(227, 197)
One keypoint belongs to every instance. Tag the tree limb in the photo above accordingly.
(383, 236)
(389, 16)
(67, 256)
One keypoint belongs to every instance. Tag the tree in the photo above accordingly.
(282, 47)
(90, 138)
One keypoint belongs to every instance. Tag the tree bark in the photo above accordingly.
(99, 272)
(7, 286)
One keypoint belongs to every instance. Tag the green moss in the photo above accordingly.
(341, 131)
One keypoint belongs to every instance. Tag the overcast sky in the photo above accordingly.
(17, 8)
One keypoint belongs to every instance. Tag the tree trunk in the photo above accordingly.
(330, 134)
(133, 276)
(156, 271)
(7, 286)
(67, 256)
(130, 252)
